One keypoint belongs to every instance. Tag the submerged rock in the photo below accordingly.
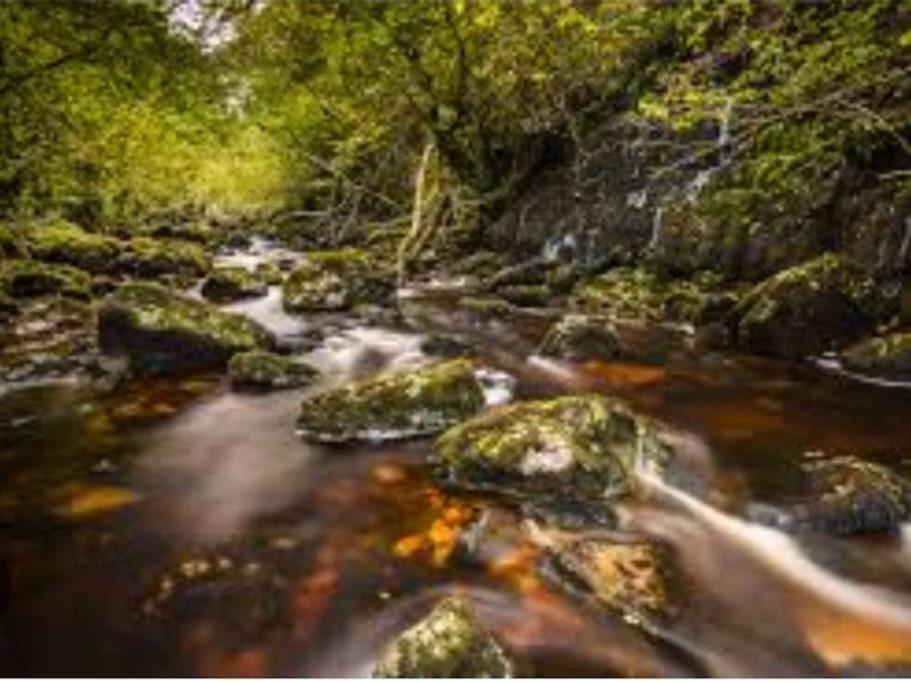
(577, 448)
(394, 405)
(231, 283)
(265, 370)
(21, 278)
(843, 495)
(580, 338)
(165, 333)
(448, 643)
(888, 356)
(808, 309)
(631, 579)
(334, 281)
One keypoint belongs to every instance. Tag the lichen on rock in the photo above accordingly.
(266, 370)
(581, 448)
(448, 643)
(166, 333)
(808, 309)
(395, 405)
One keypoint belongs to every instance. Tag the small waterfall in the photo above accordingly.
(657, 224)
(722, 147)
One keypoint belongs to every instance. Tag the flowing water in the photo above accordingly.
(177, 527)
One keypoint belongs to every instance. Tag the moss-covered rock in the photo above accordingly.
(448, 643)
(641, 293)
(635, 580)
(269, 272)
(394, 405)
(572, 448)
(531, 296)
(165, 333)
(231, 283)
(63, 242)
(808, 309)
(487, 305)
(843, 495)
(13, 242)
(336, 280)
(580, 338)
(145, 257)
(481, 264)
(888, 356)
(265, 370)
(22, 278)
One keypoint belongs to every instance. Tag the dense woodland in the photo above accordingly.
(641, 268)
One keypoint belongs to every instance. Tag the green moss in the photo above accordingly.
(336, 280)
(63, 242)
(27, 278)
(264, 370)
(229, 283)
(573, 448)
(146, 257)
(269, 273)
(448, 643)
(165, 333)
(809, 308)
(581, 338)
(532, 296)
(394, 405)
(887, 356)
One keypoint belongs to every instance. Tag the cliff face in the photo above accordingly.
(766, 134)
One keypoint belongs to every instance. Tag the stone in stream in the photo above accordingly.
(842, 496)
(268, 272)
(335, 281)
(231, 283)
(394, 405)
(575, 449)
(888, 356)
(808, 309)
(63, 242)
(635, 580)
(164, 333)
(145, 257)
(581, 338)
(265, 370)
(448, 643)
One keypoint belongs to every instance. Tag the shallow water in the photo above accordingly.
(177, 527)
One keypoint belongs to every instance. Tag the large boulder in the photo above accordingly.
(842, 495)
(334, 281)
(448, 643)
(396, 405)
(266, 370)
(808, 309)
(575, 449)
(21, 278)
(888, 356)
(164, 333)
(231, 283)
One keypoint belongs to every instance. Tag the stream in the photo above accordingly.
(177, 527)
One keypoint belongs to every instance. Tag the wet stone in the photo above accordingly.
(575, 448)
(232, 283)
(842, 496)
(448, 643)
(581, 338)
(394, 405)
(888, 356)
(265, 370)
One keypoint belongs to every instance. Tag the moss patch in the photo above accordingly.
(394, 405)
(888, 356)
(230, 283)
(336, 280)
(264, 370)
(27, 278)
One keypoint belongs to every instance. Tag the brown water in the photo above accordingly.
(181, 528)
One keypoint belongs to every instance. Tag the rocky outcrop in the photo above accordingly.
(573, 449)
(447, 643)
(395, 405)
(808, 309)
(163, 333)
(265, 370)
